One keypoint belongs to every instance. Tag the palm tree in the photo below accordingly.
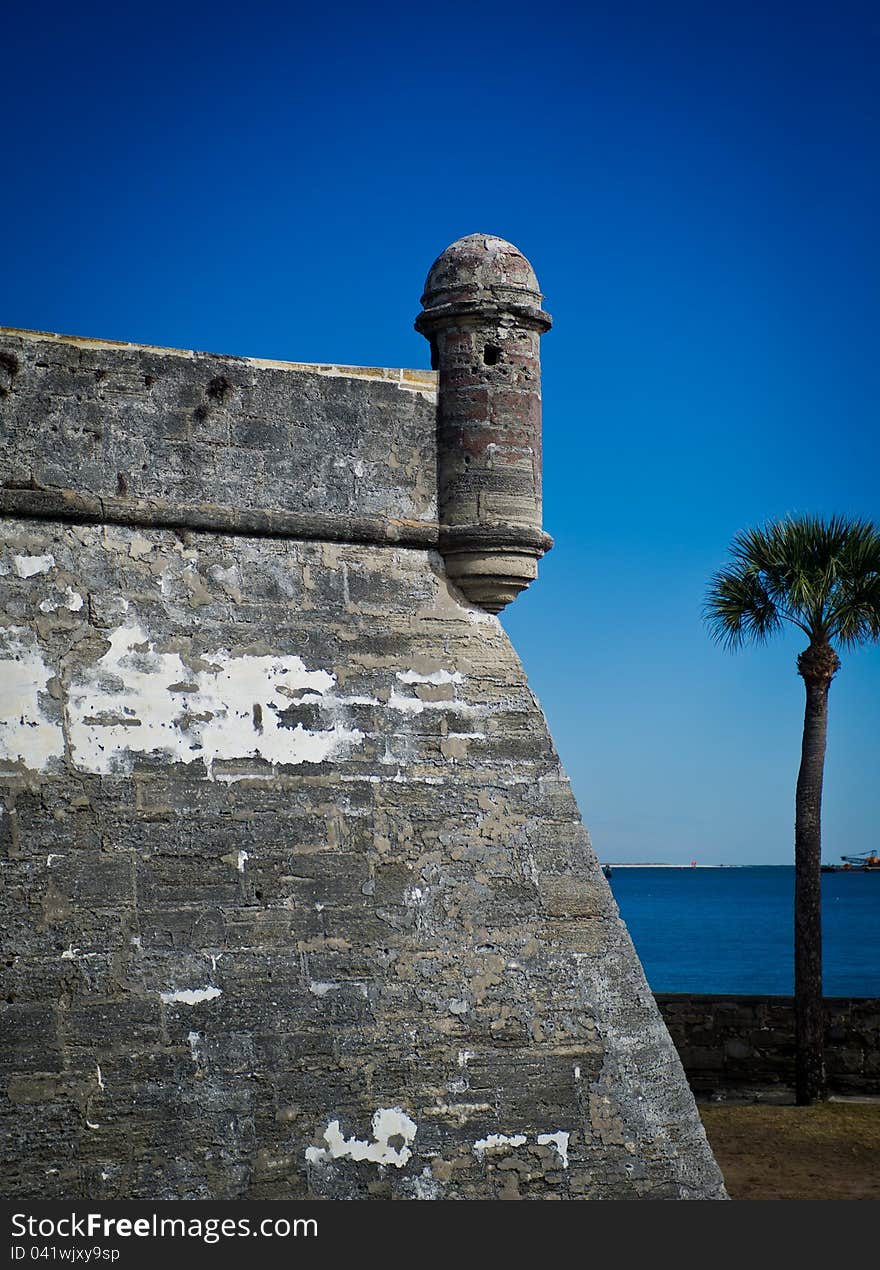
(824, 578)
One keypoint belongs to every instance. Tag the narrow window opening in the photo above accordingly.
(491, 354)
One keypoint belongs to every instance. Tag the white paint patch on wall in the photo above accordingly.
(320, 989)
(559, 1142)
(415, 705)
(74, 602)
(139, 701)
(136, 700)
(388, 1122)
(190, 996)
(503, 1142)
(27, 566)
(26, 735)
(435, 677)
(496, 1141)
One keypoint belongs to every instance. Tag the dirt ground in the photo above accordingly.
(831, 1151)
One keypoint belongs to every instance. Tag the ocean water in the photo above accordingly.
(731, 929)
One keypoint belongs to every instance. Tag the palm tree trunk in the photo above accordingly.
(809, 1013)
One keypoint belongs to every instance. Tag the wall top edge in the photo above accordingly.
(417, 380)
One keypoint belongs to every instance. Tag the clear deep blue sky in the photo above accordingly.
(697, 188)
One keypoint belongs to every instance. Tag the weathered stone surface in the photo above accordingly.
(176, 427)
(297, 899)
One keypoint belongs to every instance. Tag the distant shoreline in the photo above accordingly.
(648, 864)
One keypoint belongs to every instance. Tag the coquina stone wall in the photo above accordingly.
(742, 1045)
(297, 900)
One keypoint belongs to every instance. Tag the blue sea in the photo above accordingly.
(731, 929)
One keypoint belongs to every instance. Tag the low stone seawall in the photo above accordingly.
(733, 1044)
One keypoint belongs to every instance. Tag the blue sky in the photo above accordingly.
(697, 188)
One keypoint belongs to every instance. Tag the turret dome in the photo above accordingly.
(481, 270)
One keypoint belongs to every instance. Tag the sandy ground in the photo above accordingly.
(831, 1151)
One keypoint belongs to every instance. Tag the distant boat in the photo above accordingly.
(867, 862)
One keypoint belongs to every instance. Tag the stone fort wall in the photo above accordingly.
(297, 899)
(736, 1046)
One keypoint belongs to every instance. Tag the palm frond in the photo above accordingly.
(822, 576)
(738, 609)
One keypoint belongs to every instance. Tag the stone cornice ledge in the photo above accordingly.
(212, 518)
